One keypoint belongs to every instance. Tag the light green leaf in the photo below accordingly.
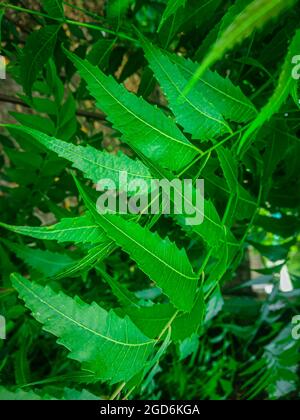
(195, 14)
(95, 165)
(81, 229)
(83, 395)
(211, 230)
(159, 258)
(227, 98)
(113, 349)
(18, 395)
(144, 127)
(94, 256)
(194, 112)
(152, 319)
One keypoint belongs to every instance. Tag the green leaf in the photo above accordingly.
(253, 17)
(83, 395)
(45, 262)
(143, 126)
(113, 349)
(276, 371)
(81, 229)
(195, 14)
(117, 8)
(18, 395)
(29, 395)
(283, 89)
(95, 165)
(37, 51)
(54, 8)
(217, 187)
(124, 296)
(93, 257)
(172, 7)
(211, 230)
(227, 98)
(159, 258)
(194, 112)
(151, 320)
(230, 170)
(100, 52)
(35, 122)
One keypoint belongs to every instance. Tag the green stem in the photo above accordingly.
(168, 325)
(69, 21)
(205, 262)
(102, 29)
(117, 391)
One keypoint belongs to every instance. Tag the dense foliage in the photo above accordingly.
(148, 306)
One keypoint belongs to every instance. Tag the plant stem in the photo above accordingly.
(117, 391)
(168, 325)
(79, 113)
(69, 21)
(101, 28)
(128, 393)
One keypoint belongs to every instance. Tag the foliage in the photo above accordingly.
(161, 89)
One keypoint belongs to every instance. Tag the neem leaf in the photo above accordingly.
(113, 349)
(159, 258)
(172, 7)
(95, 165)
(37, 51)
(194, 112)
(144, 127)
(54, 8)
(81, 229)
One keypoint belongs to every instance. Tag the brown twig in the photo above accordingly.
(79, 113)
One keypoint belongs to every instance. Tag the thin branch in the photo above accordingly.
(80, 113)
(117, 391)
(69, 21)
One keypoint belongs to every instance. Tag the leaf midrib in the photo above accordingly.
(222, 92)
(39, 298)
(180, 92)
(186, 144)
(147, 250)
(82, 157)
(38, 53)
